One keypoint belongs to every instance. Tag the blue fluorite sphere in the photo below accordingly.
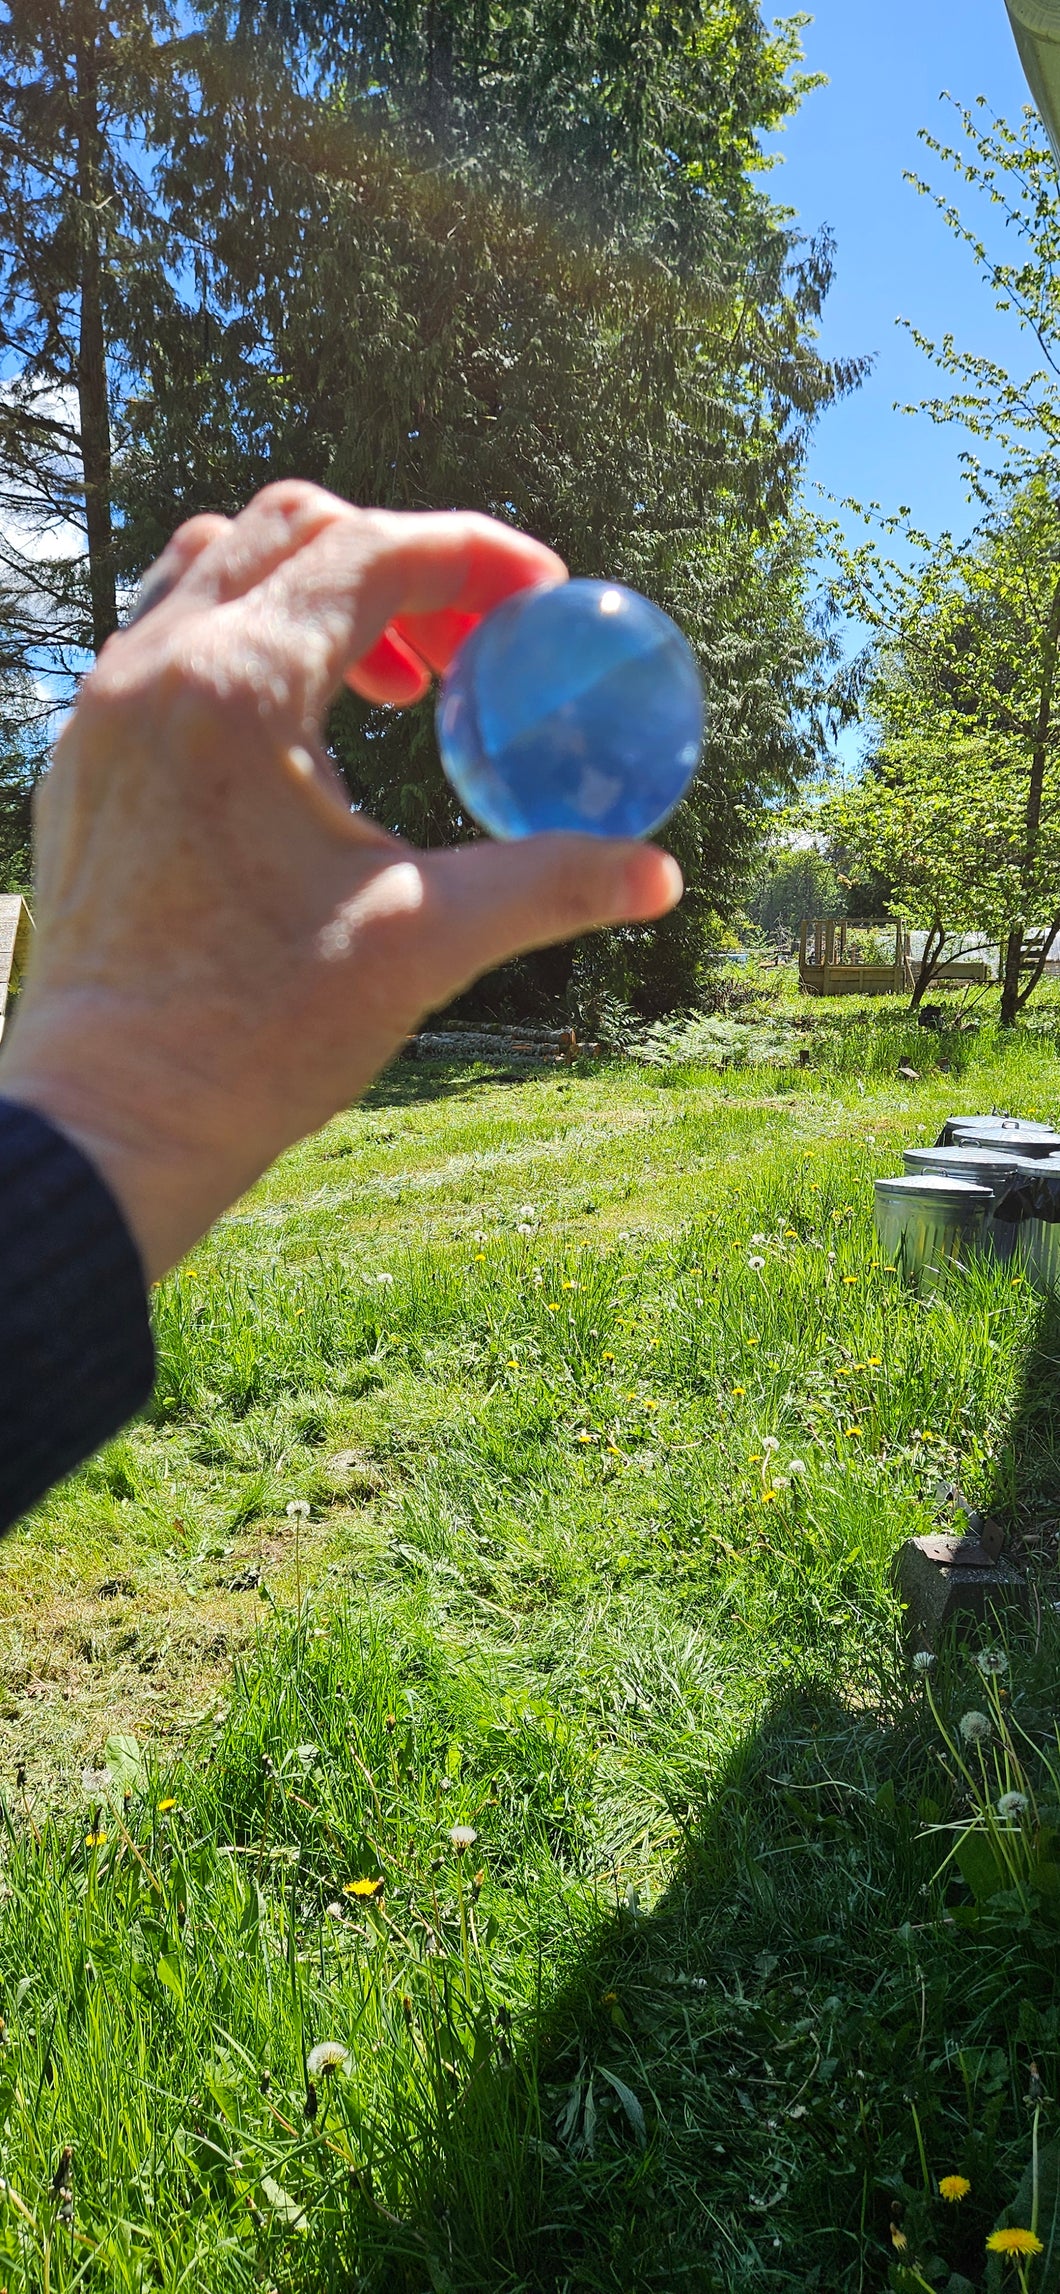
(578, 707)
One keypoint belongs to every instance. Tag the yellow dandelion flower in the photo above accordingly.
(768, 1497)
(585, 1437)
(607, 1357)
(754, 1342)
(850, 1278)
(364, 1887)
(954, 2187)
(790, 1233)
(553, 1310)
(875, 1361)
(739, 1390)
(512, 1364)
(164, 1806)
(1014, 2242)
(609, 1999)
(899, 2240)
(95, 1839)
(756, 1457)
(613, 1450)
(844, 1370)
(855, 1431)
(651, 1405)
(480, 1255)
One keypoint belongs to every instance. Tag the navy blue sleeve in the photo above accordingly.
(76, 1355)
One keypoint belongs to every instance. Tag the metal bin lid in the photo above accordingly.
(933, 1187)
(966, 1161)
(998, 1127)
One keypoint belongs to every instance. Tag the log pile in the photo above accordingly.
(530, 1046)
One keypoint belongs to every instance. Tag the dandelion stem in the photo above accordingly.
(920, 2147)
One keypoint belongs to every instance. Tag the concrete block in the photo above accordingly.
(951, 1580)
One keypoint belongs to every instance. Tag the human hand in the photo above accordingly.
(225, 954)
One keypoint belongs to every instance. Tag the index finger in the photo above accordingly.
(429, 574)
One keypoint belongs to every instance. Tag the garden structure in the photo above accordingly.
(16, 932)
(841, 956)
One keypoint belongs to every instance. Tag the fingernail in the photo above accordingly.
(650, 885)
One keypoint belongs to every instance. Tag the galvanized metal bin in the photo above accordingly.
(926, 1222)
(1030, 1211)
(1011, 1132)
(983, 1167)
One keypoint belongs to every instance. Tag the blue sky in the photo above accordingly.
(844, 156)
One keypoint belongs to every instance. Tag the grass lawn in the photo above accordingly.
(491, 1628)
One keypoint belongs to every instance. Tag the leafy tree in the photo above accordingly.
(796, 881)
(25, 716)
(964, 662)
(961, 802)
(514, 257)
(86, 268)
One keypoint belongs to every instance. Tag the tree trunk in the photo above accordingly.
(92, 396)
(1013, 998)
(929, 964)
(1010, 978)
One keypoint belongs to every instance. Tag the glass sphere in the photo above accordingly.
(576, 707)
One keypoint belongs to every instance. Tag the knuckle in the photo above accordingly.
(294, 501)
(194, 533)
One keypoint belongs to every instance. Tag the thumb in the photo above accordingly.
(492, 901)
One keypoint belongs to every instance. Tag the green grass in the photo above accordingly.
(594, 1563)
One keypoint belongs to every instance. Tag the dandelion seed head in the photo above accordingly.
(462, 1836)
(755, 1262)
(770, 1442)
(992, 1663)
(923, 1661)
(976, 1728)
(327, 2057)
(1012, 1804)
(298, 1510)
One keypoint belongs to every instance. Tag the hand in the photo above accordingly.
(225, 953)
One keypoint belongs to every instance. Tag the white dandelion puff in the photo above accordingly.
(463, 1836)
(976, 1728)
(992, 1663)
(298, 1510)
(1012, 1804)
(756, 1263)
(327, 2057)
(923, 1661)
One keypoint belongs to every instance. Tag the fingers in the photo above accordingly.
(436, 636)
(354, 573)
(379, 597)
(495, 901)
(390, 671)
(189, 543)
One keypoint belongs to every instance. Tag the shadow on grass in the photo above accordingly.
(740, 2088)
(1025, 1492)
(409, 1082)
